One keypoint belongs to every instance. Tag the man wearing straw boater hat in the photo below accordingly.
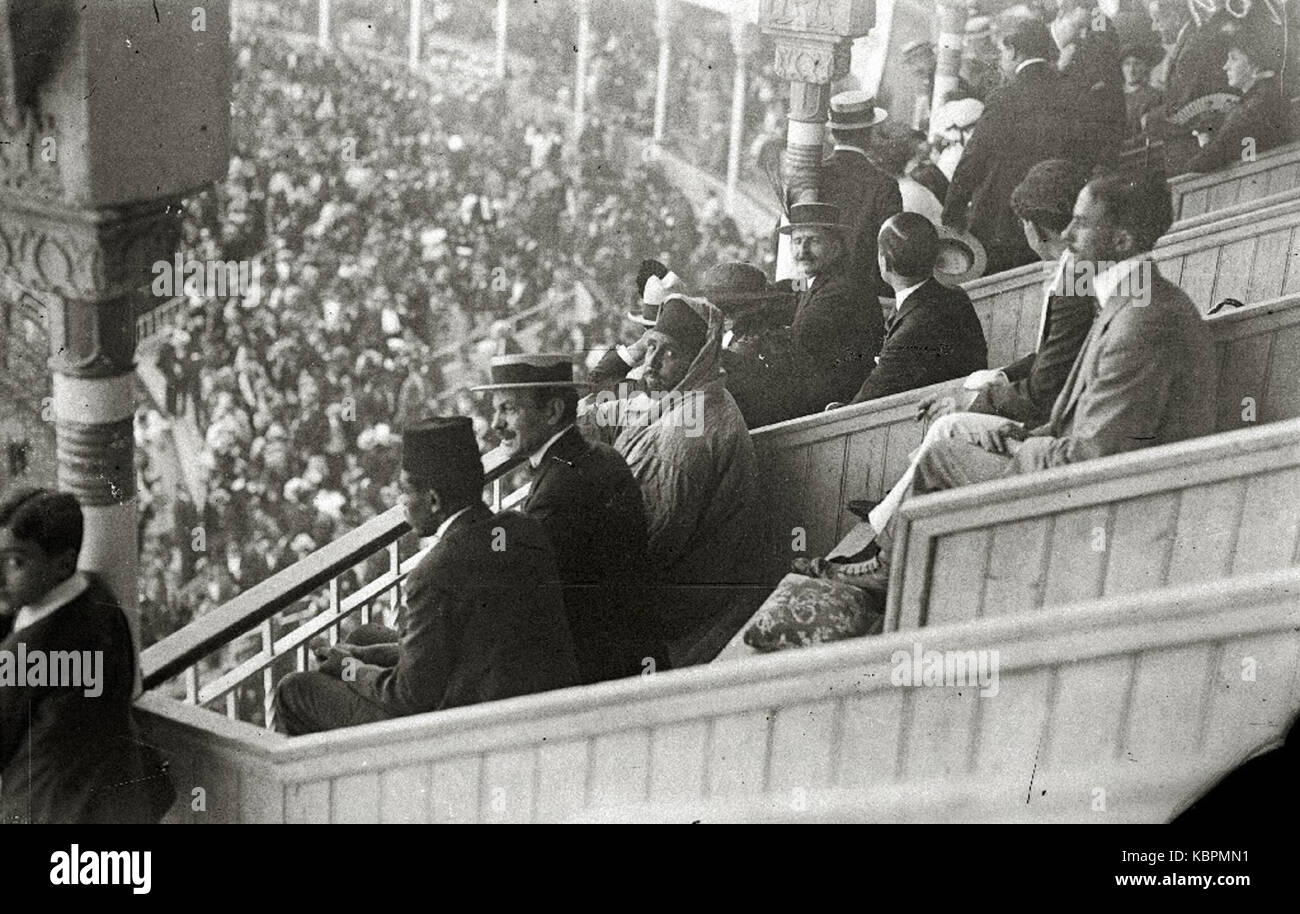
(585, 498)
(485, 615)
(865, 195)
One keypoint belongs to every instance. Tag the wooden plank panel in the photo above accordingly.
(1244, 374)
(957, 578)
(1208, 518)
(942, 734)
(261, 800)
(354, 799)
(1169, 691)
(1250, 700)
(1285, 178)
(1200, 271)
(561, 780)
(620, 768)
(904, 438)
(1141, 537)
(786, 484)
(1292, 282)
(308, 803)
(404, 795)
(1194, 203)
(508, 786)
(1269, 269)
(870, 728)
(1171, 268)
(738, 759)
(678, 759)
(1088, 712)
(1254, 186)
(1016, 568)
(220, 785)
(824, 498)
(454, 793)
(1268, 533)
(802, 754)
(1282, 390)
(1233, 279)
(865, 472)
(1224, 194)
(1012, 724)
(1077, 556)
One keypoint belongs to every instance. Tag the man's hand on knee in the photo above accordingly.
(995, 439)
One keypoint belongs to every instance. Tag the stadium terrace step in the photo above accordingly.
(813, 465)
(1276, 171)
(1245, 252)
(1142, 697)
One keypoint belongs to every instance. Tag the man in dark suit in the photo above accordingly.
(68, 748)
(1140, 378)
(935, 334)
(1025, 122)
(590, 507)
(866, 195)
(1090, 60)
(485, 615)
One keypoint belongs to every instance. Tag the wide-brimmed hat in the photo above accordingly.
(654, 291)
(734, 285)
(443, 450)
(855, 110)
(961, 257)
(814, 215)
(531, 370)
(1152, 53)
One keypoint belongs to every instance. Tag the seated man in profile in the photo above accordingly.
(1023, 391)
(1140, 379)
(68, 748)
(934, 334)
(587, 502)
(689, 450)
(485, 615)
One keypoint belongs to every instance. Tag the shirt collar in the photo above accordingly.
(906, 293)
(1108, 280)
(442, 528)
(59, 596)
(1024, 63)
(535, 459)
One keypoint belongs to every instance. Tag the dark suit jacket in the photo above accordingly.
(935, 336)
(485, 621)
(1145, 376)
(1098, 78)
(867, 197)
(1037, 379)
(1025, 122)
(841, 330)
(589, 505)
(1261, 115)
(66, 757)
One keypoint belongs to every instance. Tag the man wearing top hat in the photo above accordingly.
(689, 449)
(485, 615)
(585, 498)
(864, 194)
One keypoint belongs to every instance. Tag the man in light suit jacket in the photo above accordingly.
(485, 614)
(935, 334)
(1025, 122)
(1142, 378)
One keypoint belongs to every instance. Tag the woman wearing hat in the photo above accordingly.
(1258, 123)
(1140, 97)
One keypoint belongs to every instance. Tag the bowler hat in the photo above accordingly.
(855, 110)
(442, 451)
(525, 371)
(814, 215)
(733, 285)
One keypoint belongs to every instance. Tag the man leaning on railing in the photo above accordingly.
(485, 614)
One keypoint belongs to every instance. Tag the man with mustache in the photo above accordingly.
(585, 498)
